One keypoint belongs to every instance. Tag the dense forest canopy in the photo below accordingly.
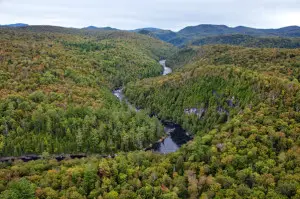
(56, 90)
(279, 62)
(241, 104)
(250, 41)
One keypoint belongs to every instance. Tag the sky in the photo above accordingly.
(166, 14)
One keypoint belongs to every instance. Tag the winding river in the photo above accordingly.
(176, 135)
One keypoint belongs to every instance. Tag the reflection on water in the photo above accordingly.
(176, 134)
(119, 94)
(176, 138)
(167, 70)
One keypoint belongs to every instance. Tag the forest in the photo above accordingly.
(249, 41)
(241, 104)
(204, 34)
(245, 117)
(56, 91)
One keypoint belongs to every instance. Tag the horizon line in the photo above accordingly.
(25, 24)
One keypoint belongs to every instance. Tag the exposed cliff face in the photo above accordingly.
(195, 111)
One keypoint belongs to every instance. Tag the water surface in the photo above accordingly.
(176, 135)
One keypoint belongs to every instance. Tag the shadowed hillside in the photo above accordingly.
(55, 90)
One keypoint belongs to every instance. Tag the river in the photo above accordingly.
(176, 135)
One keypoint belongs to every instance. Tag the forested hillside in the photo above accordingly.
(250, 41)
(56, 90)
(286, 37)
(242, 106)
(279, 62)
(245, 117)
(204, 30)
(248, 146)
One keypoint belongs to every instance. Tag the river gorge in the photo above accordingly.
(175, 137)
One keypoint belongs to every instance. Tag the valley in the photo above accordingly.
(106, 114)
(174, 137)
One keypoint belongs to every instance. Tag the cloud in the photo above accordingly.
(169, 14)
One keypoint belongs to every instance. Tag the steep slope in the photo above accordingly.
(55, 90)
(278, 62)
(246, 141)
(246, 119)
(250, 41)
(241, 104)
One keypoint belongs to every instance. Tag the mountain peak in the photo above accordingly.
(98, 28)
(219, 29)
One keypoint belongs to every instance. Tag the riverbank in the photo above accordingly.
(175, 137)
(32, 157)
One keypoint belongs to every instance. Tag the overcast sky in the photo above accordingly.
(167, 14)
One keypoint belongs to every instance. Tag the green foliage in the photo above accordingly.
(213, 93)
(270, 61)
(56, 95)
(21, 189)
(241, 104)
(244, 118)
(249, 41)
(37, 96)
(73, 128)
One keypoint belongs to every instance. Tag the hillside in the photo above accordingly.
(241, 106)
(56, 90)
(213, 30)
(250, 41)
(245, 118)
(98, 28)
(199, 35)
(246, 145)
(169, 96)
(222, 34)
(279, 62)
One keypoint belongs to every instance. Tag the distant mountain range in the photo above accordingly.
(207, 34)
(193, 33)
(15, 25)
(98, 28)
(147, 29)
(211, 30)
